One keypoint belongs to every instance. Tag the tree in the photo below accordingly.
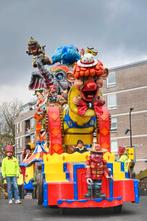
(8, 112)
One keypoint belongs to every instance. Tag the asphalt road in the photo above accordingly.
(29, 211)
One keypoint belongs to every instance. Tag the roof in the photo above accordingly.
(134, 64)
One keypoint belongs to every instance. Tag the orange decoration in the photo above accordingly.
(54, 116)
(92, 70)
(97, 68)
(83, 69)
(82, 73)
(56, 148)
(78, 68)
(55, 131)
(88, 71)
(104, 131)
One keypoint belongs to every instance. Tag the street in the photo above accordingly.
(30, 211)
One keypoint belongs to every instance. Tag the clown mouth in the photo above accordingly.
(88, 95)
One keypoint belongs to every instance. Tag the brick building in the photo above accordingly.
(24, 128)
(125, 92)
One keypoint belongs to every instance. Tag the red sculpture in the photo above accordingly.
(96, 169)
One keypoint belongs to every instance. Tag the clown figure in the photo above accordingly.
(96, 169)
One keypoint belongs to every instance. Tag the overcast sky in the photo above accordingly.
(116, 28)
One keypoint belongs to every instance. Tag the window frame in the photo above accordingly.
(114, 148)
(113, 129)
(108, 100)
(111, 84)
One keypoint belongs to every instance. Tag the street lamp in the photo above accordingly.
(130, 124)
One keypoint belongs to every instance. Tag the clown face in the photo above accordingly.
(89, 87)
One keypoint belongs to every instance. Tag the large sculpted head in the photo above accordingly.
(89, 74)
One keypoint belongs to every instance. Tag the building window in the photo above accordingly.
(21, 143)
(111, 101)
(27, 140)
(113, 124)
(16, 144)
(114, 146)
(32, 138)
(17, 128)
(27, 126)
(111, 80)
(32, 123)
(20, 126)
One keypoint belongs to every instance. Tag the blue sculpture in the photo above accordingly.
(67, 55)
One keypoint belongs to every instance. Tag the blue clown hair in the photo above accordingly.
(67, 54)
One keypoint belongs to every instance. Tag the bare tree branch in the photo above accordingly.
(8, 112)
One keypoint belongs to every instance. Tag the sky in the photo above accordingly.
(116, 28)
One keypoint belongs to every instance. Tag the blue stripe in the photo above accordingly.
(110, 188)
(122, 167)
(136, 190)
(87, 200)
(45, 195)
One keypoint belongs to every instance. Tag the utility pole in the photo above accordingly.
(130, 121)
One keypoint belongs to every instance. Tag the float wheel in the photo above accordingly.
(117, 209)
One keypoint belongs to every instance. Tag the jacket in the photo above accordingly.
(125, 159)
(10, 167)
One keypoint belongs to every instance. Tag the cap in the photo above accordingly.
(9, 148)
(97, 149)
(121, 150)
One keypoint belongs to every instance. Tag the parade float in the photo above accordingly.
(70, 107)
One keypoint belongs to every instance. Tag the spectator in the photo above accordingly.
(123, 157)
(10, 172)
(128, 164)
(26, 153)
(80, 147)
(20, 182)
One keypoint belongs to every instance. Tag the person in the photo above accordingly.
(10, 172)
(128, 163)
(96, 169)
(26, 153)
(80, 147)
(20, 182)
(123, 157)
(69, 149)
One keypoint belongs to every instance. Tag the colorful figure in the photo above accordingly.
(55, 80)
(85, 103)
(80, 147)
(61, 78)
(38, 52)
(39, 116)
(89, 74)
(96, 169)
(41, 79)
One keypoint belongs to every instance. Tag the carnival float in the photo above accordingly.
(70, 108)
